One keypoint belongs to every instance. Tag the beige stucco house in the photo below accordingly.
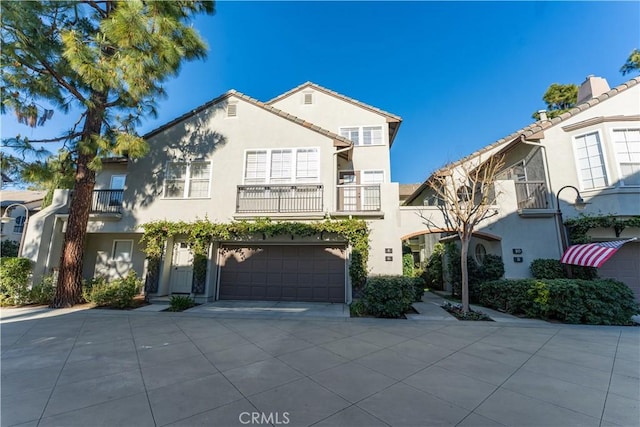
(594, 147)
(21, 204)
(307, 155)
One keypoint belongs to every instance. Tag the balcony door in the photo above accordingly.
(117, 183)
(348, 194)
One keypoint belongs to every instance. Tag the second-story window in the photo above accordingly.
(590, 161)
(627, 146)
(281, 166)
(363, 135)
(185, 180)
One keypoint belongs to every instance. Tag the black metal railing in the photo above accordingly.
(364, 197)
(107, 201)
(532, 195)
(279, 198)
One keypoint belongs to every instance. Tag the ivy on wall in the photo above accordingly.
(579, 227)
(201, 233)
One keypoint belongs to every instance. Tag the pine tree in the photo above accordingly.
(105, 59)
(559, 98)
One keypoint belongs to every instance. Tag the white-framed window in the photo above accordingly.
(627, 147)
(590, 161)
(363, 135)
(281, 166)
(117, 182)
(372, 177)
(122, 250)
(307, 165)
(187, 180)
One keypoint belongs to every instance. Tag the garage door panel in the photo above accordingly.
(287, 273)
(624, 266)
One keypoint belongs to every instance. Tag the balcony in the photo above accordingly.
(279, 198)
(107, 202)
(532, 195)
(359, 198)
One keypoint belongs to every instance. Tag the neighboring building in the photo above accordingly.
(594, 147)
(406, 190)
(32, 200)
(306, 155)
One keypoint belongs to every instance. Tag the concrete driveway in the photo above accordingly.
(103, 367)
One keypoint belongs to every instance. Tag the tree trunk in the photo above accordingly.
(69, 288)
(464, 250)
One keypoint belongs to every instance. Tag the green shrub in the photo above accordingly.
(510, 296)
(14, 278)
(181, 303)
(119, 293)
(433, 273)
(407, 265)
(491, 269)
(547, 269)
(358, 308)
(389, 296)
(9, 249)
(418, 286)
(553, 269)
(44, 292)
(598, 302)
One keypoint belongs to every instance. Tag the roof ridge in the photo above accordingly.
(545, 124)
(269, 108)
(336, 94)
(539, 125)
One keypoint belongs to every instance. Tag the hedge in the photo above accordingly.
(595, 302)
(389, 296)
(119, 293)
(14, 281)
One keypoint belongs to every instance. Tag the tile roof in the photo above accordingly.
(8, 197)
(407, 189)
(337, 95)
(535, 128)
(344, 142)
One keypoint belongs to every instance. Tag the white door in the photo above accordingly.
(181, 269)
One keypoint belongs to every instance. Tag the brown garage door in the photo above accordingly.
(624, 265)
(283, 273)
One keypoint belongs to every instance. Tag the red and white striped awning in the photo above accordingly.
(592, 254)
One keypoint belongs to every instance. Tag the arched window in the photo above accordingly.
(481, 253)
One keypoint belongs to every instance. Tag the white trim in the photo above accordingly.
(612, 131)
(604, 159)
(294, 159)
(364, 171)
(123, 175)
(361, 135)
(113, 249)
(187, 180)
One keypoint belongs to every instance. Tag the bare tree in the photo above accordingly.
(466, 194)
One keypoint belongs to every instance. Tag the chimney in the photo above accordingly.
(592, 87)
(543, 115)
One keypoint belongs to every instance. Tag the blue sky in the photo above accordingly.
(461, 74)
